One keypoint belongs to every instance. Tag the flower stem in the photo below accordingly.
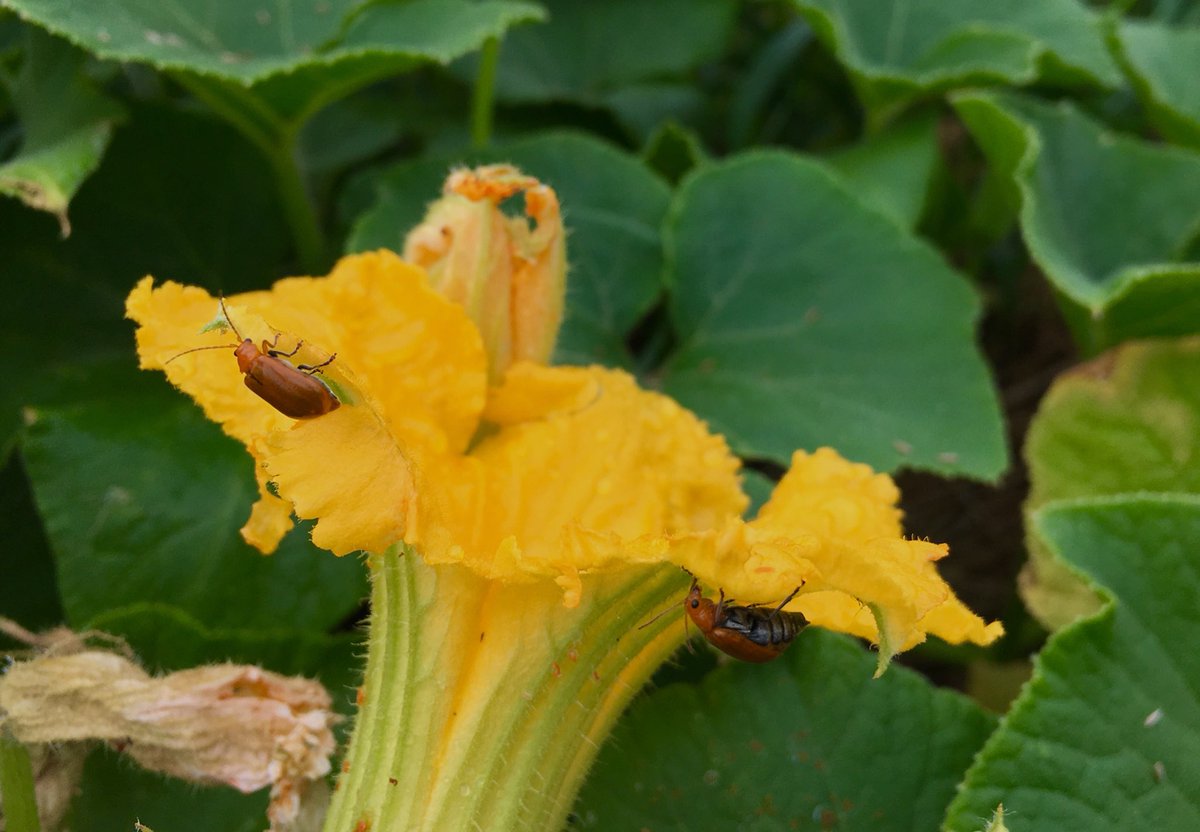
(276, 138)
(298, 208)
(16, 787)
(483, 96)
(483, 703)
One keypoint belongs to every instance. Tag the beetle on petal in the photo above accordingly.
(293, 390)
(750, 633)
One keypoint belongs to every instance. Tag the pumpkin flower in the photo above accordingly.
(510, 278)
(522, 520)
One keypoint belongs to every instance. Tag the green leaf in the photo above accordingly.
(1107, 733)
(143, 498)
(810, 741)
(1114, 245)
(179, 196)
(906, 50)
(806, 318)
(891, 170)
(1124, 424)
(612, 208)
(62, 144)
(643, 108)
(401, 195)
(294, 60)
(1160, 61)
(758, 488)
(28, 592)
(673, 150)
(351, 130)
(268, 70)
(114, 793)
(761, 87)
(587, 50)
(165, 639)
(1121, 424)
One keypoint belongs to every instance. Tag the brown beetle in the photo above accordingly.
(293, 390)
(751, 633)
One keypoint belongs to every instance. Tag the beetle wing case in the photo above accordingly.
(293, 393)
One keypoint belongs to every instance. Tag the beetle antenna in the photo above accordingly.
(228, 320)
(197, 349)
(656, 617)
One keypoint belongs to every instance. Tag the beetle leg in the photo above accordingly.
(274, 353)
(316, 368)
(786, 600)
(687, 636)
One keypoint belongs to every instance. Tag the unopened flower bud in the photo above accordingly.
(508, 275)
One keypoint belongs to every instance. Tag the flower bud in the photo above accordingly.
(509, 276)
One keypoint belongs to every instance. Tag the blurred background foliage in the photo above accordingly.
(888, 226)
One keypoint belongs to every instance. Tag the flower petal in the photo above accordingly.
(270, 517)
(409, 370)
(853, 512)
(174, 319)
(346, 470)
(415, 353)
(569, 450)
(832, 529)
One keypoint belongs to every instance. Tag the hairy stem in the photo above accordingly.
(16, 785)
(484, 703)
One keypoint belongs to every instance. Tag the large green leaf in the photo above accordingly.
(612, 208)
(165, 639)
(114, 794)
(585, 51)
(143, 498)
(643, 108)
(808, 742)
(179, 196)
(62, 144)
(673, 150)
(1106, 735)
(1124, 424)
(806, 318)
(1161, 61)
(900, 51)
(1114, 245)
(28, 592)
(891, 170)
(293, 59)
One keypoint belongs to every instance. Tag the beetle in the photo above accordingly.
(293, 390)
(750, 633)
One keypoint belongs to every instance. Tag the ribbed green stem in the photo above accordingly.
(299, 209)
(484, 704)
(16, 784)
(276, 138)
(483, 96)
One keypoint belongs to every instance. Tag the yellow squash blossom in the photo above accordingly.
(522, 519)
(555, 473)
